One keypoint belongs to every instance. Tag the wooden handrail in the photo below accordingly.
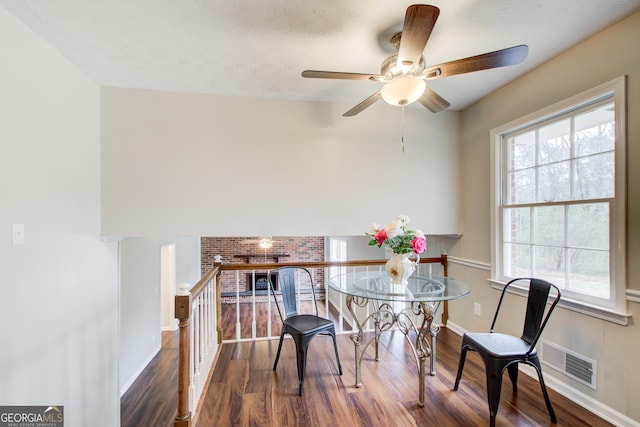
(183, 312)
(322, 264)
(199, 287)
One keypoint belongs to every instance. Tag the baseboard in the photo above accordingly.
(135, 376)
(455, 328)
(600, 409)
(214, 362)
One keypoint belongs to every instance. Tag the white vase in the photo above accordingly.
(400, 267)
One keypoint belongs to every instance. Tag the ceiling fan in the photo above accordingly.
(405, 74)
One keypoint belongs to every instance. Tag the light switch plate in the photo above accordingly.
(476, 308)
(17, 234)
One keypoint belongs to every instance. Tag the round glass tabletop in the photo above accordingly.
(377, 285)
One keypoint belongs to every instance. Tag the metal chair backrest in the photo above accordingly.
(537, 298)
(286, 277)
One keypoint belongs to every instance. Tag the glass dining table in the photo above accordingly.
(372, 298)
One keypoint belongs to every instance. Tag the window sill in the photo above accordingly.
(609, 315)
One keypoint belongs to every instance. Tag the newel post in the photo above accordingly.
(218, 305)
(183, 310)
(218, 263)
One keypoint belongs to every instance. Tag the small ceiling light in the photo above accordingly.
(266, 243)
(403, 90)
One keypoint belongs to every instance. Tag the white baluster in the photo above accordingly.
(212, 318)
(205, 327)
(192, 383)
(196, 350)
(238, 326)
(201, 335)
(269, 297)
(253, 304)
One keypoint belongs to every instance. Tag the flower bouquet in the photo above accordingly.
(404, 243)
(398, 237)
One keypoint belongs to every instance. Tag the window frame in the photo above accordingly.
(615, 309)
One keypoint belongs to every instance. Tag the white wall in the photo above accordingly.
(186, 164)
(140, 292)
(602, 58)
(58, 291)
(358, 247)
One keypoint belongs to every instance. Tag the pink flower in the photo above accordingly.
(380, 236)
(419, 245)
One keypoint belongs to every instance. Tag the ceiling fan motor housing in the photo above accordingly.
(390, 68)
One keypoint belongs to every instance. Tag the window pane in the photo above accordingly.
(553, 182)
(550, 264)
(548, 225)
(595, 131)
(593, 177)
(517, 225)
(589, 272)
(589, 226)
(522, 151)
(517, 260)
(521, 187)
(554, 142)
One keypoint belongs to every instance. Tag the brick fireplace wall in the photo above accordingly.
(230, 248)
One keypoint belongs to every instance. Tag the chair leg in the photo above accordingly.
(494, 387)
(301, 358)
(552, 414)
(513, 375)
(463, 357)
(335, 347)
(275, 364)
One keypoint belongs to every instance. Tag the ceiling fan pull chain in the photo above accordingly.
(402, 135)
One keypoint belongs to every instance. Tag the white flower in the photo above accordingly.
(404, 219)
(393, 229)
(374, 228)
(420, 233)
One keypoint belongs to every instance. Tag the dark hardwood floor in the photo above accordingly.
(152, 400)
(245, 391)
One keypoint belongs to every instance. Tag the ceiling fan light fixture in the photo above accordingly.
(403, 90)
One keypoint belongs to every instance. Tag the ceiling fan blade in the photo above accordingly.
(500, 58)
(364, 104)
(432, 101)
(314, 74)
(418, 23)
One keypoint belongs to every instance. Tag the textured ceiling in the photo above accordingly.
(259, 47)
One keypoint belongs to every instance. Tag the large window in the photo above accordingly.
(559, 198)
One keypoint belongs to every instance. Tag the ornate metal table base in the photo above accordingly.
(418, 317)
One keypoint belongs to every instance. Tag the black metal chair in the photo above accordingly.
(502, 351)
(301, 327)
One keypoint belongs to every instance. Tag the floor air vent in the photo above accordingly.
(570, 363)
